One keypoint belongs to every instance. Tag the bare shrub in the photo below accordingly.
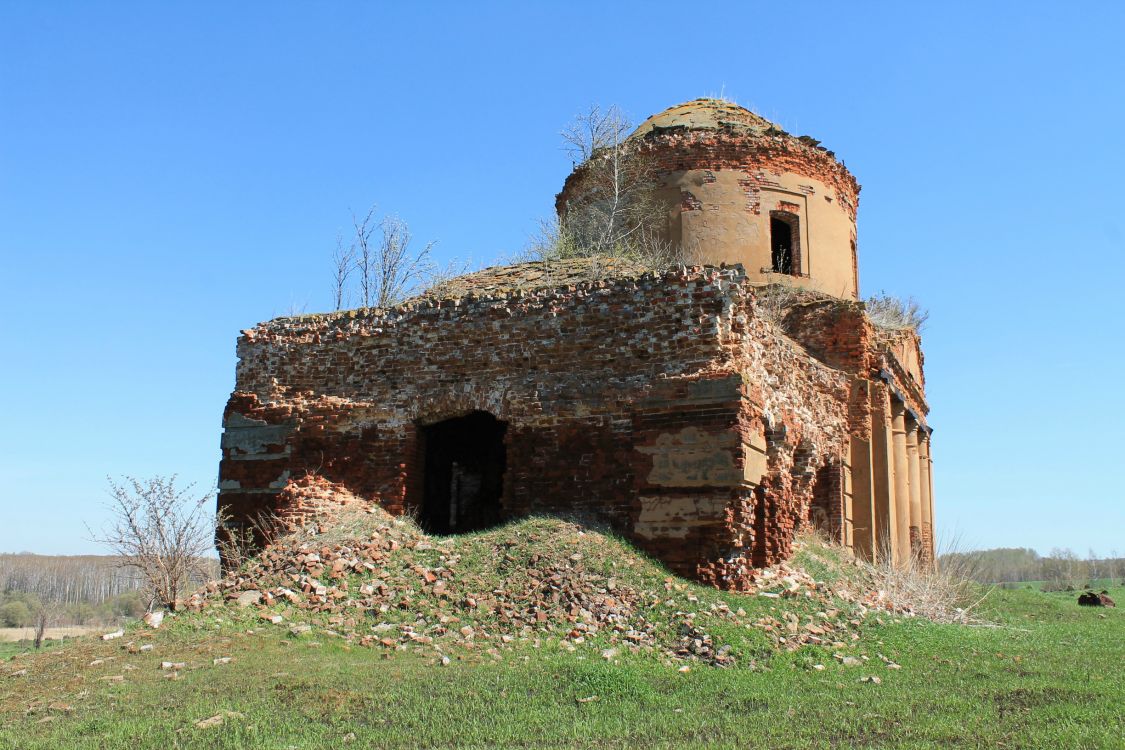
(387, 265)
(550, 242)
(239, 543)
(944, 594)
(400, 270)
(343, 263)
(161, 531)
(45, 616)
(894, 313)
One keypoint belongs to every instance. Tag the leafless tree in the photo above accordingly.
(161, 531)
(343, 263)
(364, 254)
(388, 266)
(44, 616)
(1094, 568)
(400, 269)
(616, 210)
(66, 580)
(1062, 570)
(595, 130)
(1116, 565)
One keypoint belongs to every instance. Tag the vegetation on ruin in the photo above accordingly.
(775, 299)
(615, 212)
(1041, 673)
(616, 217)
(379, 264)
(896, 313)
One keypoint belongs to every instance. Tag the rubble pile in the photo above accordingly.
(544, 582)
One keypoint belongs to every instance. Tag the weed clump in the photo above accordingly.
(896, 314)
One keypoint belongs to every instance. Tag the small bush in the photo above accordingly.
(130, 604)
(78, 614)
(15, 615)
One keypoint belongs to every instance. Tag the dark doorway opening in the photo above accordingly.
(781, 245)
(463, 473)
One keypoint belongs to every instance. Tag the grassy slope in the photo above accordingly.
(1049, 677)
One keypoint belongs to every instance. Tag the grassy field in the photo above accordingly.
(1046, 674)
(1097, 584)
(52, 634)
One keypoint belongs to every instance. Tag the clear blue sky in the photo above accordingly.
(170, 175)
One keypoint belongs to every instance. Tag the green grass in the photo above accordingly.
(1048, 675)
(1097, 584)
(8, 649)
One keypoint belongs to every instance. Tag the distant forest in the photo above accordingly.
(79, 589)
(1061, 569)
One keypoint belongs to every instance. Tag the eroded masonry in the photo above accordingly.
(705, 412)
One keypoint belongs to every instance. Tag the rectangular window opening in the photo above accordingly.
(785, 243)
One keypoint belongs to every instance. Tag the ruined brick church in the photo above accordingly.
(687, 409)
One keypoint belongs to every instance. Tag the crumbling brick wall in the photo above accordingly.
(680, 150)
(660, 404)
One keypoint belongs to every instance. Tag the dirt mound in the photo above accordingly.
(379, 581)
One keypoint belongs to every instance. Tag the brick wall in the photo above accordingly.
(660, 405)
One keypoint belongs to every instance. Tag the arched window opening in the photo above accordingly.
(463, 463)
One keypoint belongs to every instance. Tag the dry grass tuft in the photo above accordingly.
(945, 594)
(949, 594)
(775, 299)
(895, 314)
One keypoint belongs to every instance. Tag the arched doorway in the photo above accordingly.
(463, 462)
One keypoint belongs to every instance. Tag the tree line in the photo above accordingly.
(1061, 569)
(67, 579)
(75, 589)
